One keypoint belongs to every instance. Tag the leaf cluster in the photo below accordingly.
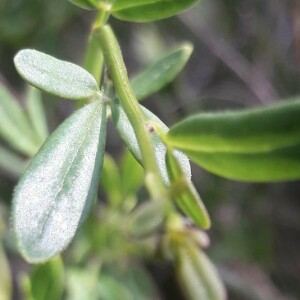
(61, 183)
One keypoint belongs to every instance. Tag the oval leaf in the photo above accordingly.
(147, 218)
(161, 72)
(14, 125)
(126, 132)
(60, 184)
(149, 10)
(55, 76)
(253, 145)
(185, 193)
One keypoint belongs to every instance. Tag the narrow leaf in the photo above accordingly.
(60, 184)
(36, 113)
(111, 180)
(276, 165)
(161, 72)
(47, 280)
(185, 193)
(132, 174)
(253, 145)
(5, 278)
(198, 277)
(126, 132)
(14, 125)
(55, 76)
(11, 163)
(86, 4)
(247, 131)
(149, 10)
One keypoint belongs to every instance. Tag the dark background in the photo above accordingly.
(247, 53)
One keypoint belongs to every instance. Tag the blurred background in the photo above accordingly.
(246, 54)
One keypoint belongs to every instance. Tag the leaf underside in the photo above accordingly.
(126, 132)
(60, 185)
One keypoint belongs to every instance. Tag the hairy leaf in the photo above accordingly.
(161, 72)
(60, 184)
(149, 10)
(256, 144)
(185, 193)
(61, 78)
(127, 133)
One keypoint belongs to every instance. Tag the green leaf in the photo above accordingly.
(14, 125)
(86, 4)
(5, 278)
(82, 284)
(126, 132)
(132, 174)
(60, 184)
(111, 180)
(12, 163)
(185, 193)
(197, 276)
(161, 72)
(36, 113)
(111, 289)
(147, 218)
(149, 10)
(55, 76)
(253, 145)
(47, 280)
(276, 165)
(136, 279)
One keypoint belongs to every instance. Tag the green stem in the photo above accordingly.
(117, 70)
(93, 61)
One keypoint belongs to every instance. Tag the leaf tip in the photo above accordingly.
(188, 48)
